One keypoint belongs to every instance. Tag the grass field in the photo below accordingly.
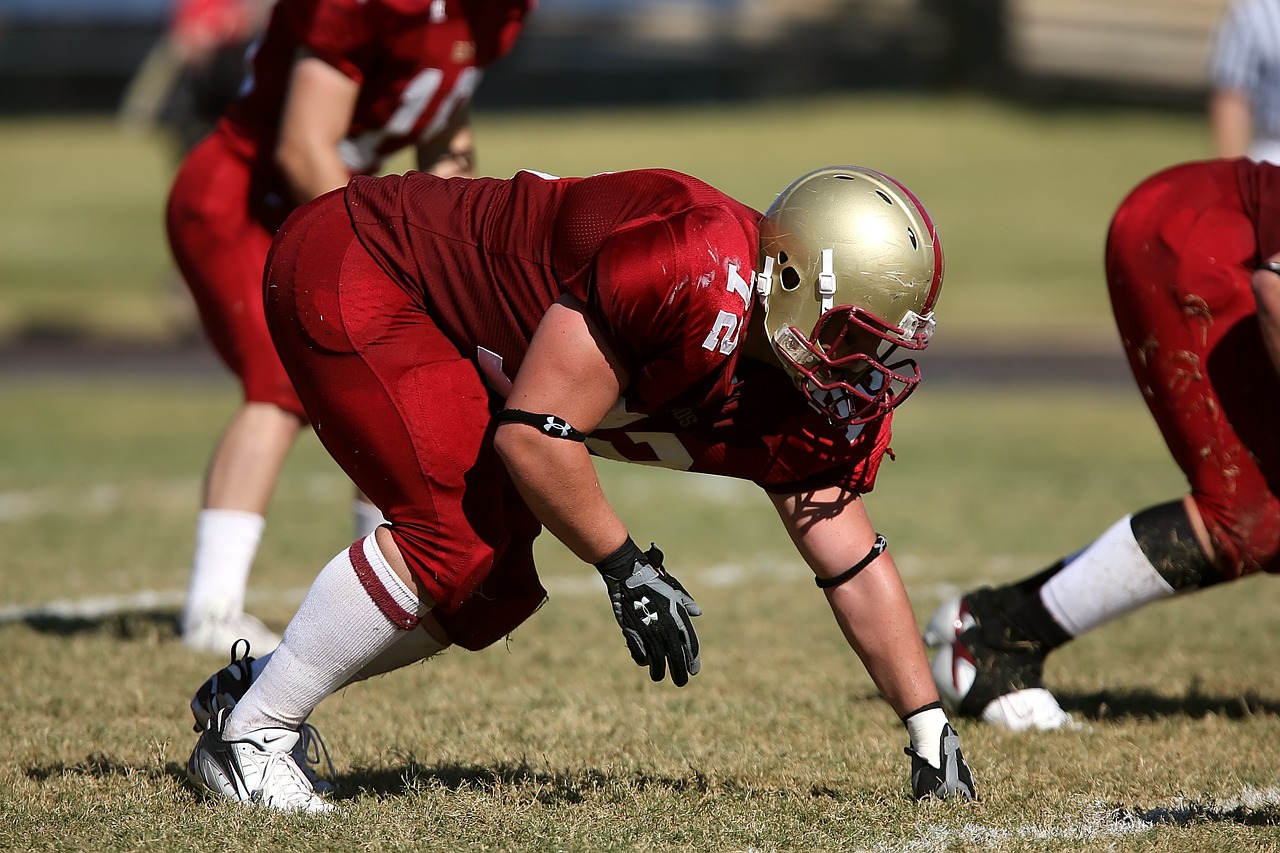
(555, 741)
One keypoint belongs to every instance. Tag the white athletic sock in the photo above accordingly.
(337, 631)
(1105, 581)
(366, 517)
(226, 542)
(414, 646)
(925, 731)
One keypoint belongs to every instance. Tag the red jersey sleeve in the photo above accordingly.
(340, 32)
(672, 294)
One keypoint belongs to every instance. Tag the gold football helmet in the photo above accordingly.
(850, 270)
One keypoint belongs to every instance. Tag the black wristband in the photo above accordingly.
(921, 710)
(1271, 266)
(621, 563)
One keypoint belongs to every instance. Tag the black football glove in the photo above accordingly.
(953, 780)
(654, 612)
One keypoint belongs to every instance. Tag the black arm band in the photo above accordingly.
(877, 549)
(549, 424)
(621, 563)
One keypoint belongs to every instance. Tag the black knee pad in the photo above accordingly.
(1165, 535)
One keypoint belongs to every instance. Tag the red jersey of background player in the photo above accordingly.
(1260, 190)
(669, 284)
(415, 61)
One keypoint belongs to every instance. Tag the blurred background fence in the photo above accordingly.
(79, 55)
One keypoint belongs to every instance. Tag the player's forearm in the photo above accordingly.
(558, 481)
(316, 118)
(1266, 291)
(877, 620)
(311, 168)
(1230, 122)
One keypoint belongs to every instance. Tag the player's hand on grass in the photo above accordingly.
(953, 780)
(654, 612)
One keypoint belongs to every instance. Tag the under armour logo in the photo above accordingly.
(641, 606)
(555, 425)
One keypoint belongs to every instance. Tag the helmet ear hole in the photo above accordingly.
(790, 278)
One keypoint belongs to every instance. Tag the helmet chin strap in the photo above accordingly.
(764, 283)
(827, 281)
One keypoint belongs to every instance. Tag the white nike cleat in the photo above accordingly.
(256, 770)
(946, 623)
(227, 686)
(217, 632)
(1030, 709)
(984, 672)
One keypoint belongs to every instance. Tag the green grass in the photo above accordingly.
(556, 741)
(1022, 198)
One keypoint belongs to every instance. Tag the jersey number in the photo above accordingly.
(724, 332)
(666, 447)
(361, 152)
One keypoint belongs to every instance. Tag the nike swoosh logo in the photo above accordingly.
(270, 740)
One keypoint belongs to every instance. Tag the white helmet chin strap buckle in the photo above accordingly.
(827, 280)
(918, 328)
(764, 283)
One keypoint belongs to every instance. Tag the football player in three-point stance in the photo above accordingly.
(334, 86)
(1192, 268)
(464, 346)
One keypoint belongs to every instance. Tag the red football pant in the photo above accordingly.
(407, 417)
(220, 222)
(1180, 255)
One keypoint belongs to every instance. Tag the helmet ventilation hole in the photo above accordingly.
(884, 196)
(790, 278)
(915, 244)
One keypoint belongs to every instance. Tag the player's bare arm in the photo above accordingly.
(451, 153)
(1230, 122)
(317, 115)
(569, 374)
(1266, 290)
(831, 530)
(569, 381)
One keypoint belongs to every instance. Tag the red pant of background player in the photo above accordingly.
(221, 223)
(1179, 258)
(407, 417)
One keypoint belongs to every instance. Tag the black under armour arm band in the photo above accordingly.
(877, 548)
(549, 424)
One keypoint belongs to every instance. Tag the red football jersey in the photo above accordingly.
(415, 61)
(663, 262)
(1260, 191)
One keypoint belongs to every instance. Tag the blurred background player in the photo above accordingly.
(195, 70)
(465, 346)
(333, 87)
(188, 78)
(1191, 266)
(1244, 73)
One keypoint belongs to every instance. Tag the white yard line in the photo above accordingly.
(1098, 822)
(568, 586)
